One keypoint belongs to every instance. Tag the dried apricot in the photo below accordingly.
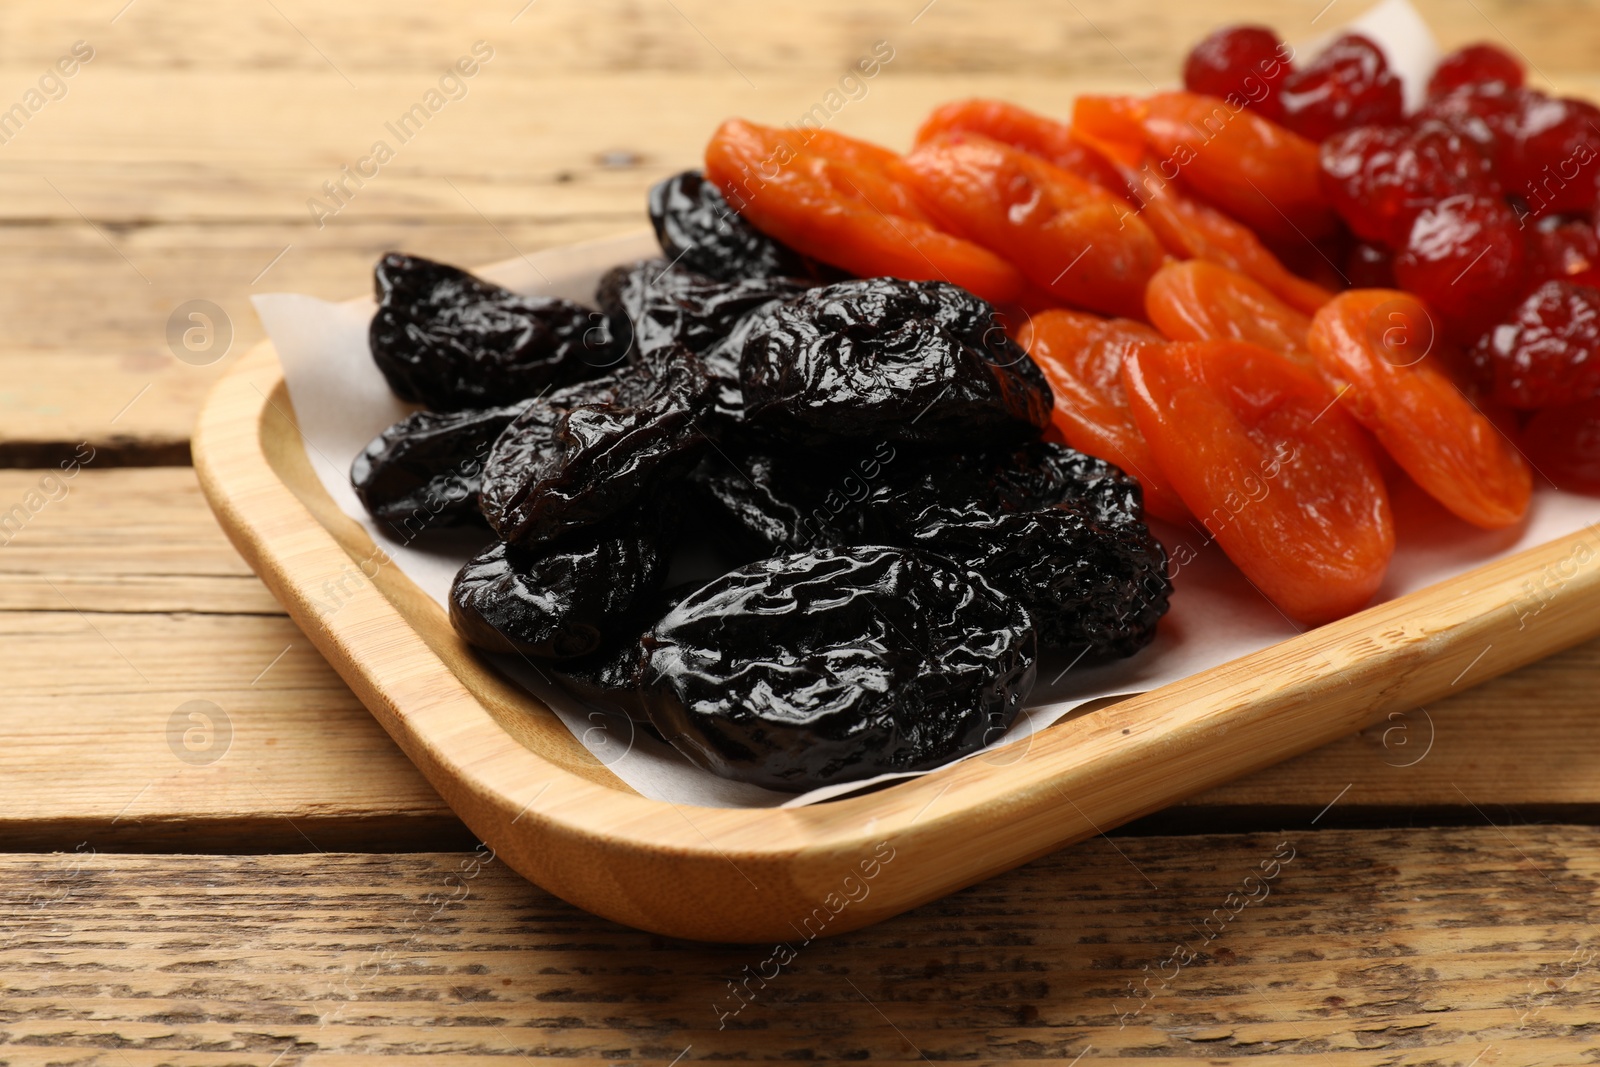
(1081, 356)
(846, 209)
(1260, 173)
(1283, 479)
(1071, 238)
(1382, 350)
(1201, 301)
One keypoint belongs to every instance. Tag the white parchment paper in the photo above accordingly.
(342, 402)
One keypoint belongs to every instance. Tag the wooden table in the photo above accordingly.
(285, 896)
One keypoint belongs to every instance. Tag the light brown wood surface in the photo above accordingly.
(1396, 947)
(181, 160)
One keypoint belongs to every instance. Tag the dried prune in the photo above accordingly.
(560, 600)
(652, 305)
(699, 229)
(1041, 474)
(890, 359)
(426, 469)
(837, 665)
(589, 451)
(610, 678)
(1095, 591)
(448, 340)
(766, 501)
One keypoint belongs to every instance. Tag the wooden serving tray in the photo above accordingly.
(552, 811)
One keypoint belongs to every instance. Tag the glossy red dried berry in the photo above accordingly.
(1563, 444)
(1349, 84)
(1562, 248)
(1548, 351)
(1242, 64)
(1487, 117)
(1464, 259)
(1553, 159)
(1478, 66)
(1380, 178)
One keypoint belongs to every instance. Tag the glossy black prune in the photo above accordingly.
(448, 340)
(560, 600)
(610, 678)
(699, 229)
(894, 360)
(1095, 591)
(653, 306)
(837, 665)
(587, 452)
(426, 469)
(885, 493)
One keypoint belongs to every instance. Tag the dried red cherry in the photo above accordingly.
(1548, 352)
(1379, 178)
(1562, 248)
(1242, 64)
(1552, 160)
(1348, 84)
(1563, 444)
(1487, 117)
(1478, 66)
(1464, 259)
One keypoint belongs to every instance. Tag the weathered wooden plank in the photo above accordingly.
(1400, 947)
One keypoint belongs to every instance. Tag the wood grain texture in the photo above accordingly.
(1437, 947)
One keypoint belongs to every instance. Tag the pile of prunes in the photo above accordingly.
(804, 527)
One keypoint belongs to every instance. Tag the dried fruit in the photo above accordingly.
(1382, 351)
(1380, 178)
(656, 310)
(700, 231)
(838, 665)
(1260, 173)
(426, 469)
(1247, 64)
(592, 450)
(1071, 238)
(1200, 301)
(1081, 357)
(447, 340)
(560, 600)
(1563, 444)
(888, 359)
(846, 207)
(1095, 591)
(1547, 353)
(1348, 84)
(1464, 259)
(1481, 67)
(1552, 159)
(1023, 130)
(1562, 248)
(1369, 266)
(1282, 478)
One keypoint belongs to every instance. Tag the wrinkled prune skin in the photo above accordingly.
(764, 504)
(587, 452)
(426, 469)
(697, 228)
(447, 340)
(882, 358)
(885, 493)
(611, 677)
(653, 306)
(922, 487)
(1095, 591)
(560, 600)
(837, 665)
